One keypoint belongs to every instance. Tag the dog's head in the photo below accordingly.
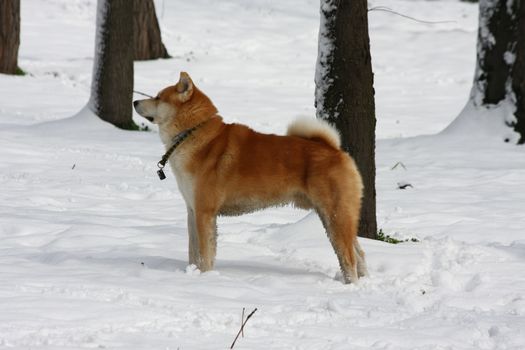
(177, 107)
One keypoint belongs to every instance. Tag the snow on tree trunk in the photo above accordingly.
(147, 38)
(496, 101)
(9, 35)
(344, 93)
(496, 36)
(518, 75)
(112, 83)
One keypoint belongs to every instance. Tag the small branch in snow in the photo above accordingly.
(243, 323)
(388, 9)
(403, 185)
(399, 163)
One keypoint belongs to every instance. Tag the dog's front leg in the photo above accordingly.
(207, 239)
(193, 239)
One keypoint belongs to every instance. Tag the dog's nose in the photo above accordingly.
(135, 103)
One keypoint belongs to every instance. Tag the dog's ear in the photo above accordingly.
(185, 87)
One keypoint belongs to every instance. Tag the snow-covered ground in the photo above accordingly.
(93, 247)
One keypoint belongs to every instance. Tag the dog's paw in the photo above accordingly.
(339, 277)
(192, 270)
(345, 280)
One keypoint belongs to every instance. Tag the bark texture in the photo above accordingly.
(147, 37)
(345, 93)
(518, 73)
(9, 35)
(496, 37)
(112, 85)
(500, 71)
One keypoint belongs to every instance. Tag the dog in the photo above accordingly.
(230, 169)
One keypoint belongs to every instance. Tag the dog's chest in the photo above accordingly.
(184, 180)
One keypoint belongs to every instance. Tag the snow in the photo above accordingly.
(93, 247)
(491, 122)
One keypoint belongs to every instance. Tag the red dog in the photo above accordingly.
(229, 169)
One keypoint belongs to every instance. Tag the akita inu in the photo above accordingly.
(229, 169)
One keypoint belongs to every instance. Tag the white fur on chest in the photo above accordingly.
(184, 180)
(178, 166)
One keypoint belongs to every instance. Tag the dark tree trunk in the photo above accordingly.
(518, 74)
(500, 71)
(147, 39)
(496, 37)
(345, 93)
(112, 85)
(9, 35)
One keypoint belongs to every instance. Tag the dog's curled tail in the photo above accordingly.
(315, 129)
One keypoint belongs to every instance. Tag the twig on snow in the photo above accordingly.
(399, 163)
(403, 186)
(242, 321)
(241, 331)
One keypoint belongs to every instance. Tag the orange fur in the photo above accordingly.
(229, 169)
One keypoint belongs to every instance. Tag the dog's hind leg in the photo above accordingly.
(338, 203)
(340, 234)
(362, 269)
(206, 229)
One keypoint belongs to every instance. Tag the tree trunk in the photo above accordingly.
(9, 35)
(496, 38)
(112, 84)
(147, 39)
(500, 70)
(518, 74)
(345, 93)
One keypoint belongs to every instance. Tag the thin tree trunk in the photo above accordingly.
(500, 69)
(496, 40)
(147, 37)
(9, 35)
(345, 93)
(112, 85)
(518, 74)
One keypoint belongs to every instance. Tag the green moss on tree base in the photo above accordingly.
(386, 238)
(20, 71)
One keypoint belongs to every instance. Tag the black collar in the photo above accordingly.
(177, 140)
